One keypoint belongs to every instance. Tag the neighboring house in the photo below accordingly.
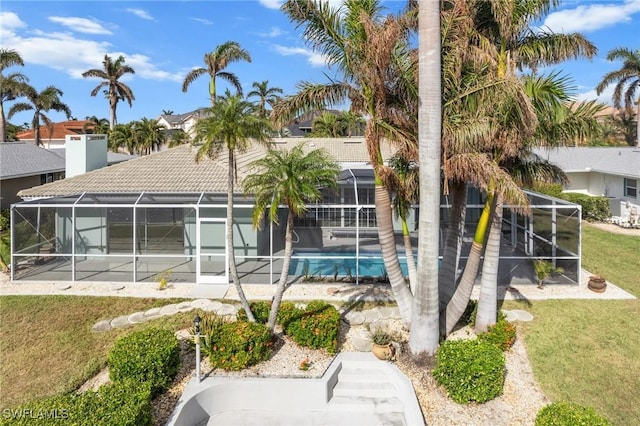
(24, 165)
(302, 125)
(166, 211)
(54, 137)
(612, 172)
(184, 122)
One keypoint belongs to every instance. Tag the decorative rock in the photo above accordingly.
(120, 321)
(168, 309)
(354, 318)
(153, 312)
(371, 315)
(386, 312)
(103, 325)
(137, 317)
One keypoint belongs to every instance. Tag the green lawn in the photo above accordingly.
(588, 351)
(47, 345)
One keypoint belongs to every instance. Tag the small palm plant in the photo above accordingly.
(544, 269)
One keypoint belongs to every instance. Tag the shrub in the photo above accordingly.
(125, 403)
(316, 327)
(470, 370)
(593, 208)
(151, 355)
(502, 334)
(568, 414)
(552, 189)
(469, 314)
(260, 310)
(238, 345)
(5, 219)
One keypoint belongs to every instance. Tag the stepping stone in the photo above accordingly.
(371, 315)
(395, 313)
(226, 309)
(116, 287)
(510, 315)
(120, 321)
(153, 312)
(200, 303)
(362, 342)
(212, 307)
(137, 318)
(184, 307)
(103, 325)
(521, 315)
(354, 318)
(386, 313)
(63, 286)
(168, 310)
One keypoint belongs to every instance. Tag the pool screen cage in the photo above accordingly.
(139, 237)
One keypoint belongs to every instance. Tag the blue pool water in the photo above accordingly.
(342, 264)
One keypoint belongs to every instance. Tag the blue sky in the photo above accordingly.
(163, 40)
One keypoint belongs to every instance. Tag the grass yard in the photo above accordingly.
(47, 345)
(588, 351)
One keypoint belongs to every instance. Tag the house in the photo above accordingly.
(165, 211)
(53, 137)
(612, 172)
(184, 122)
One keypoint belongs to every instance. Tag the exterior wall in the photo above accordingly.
(85, 153)
(10, 187)
(578, 182)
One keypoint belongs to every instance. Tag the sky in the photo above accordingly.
(164, 39)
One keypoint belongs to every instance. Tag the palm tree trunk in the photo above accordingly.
(638, 125)
(3, 124)
(488, 300)
(36, 131)
(112, 113)
(411, 262)
(386, 235)
(450, 316)
(230, 247)
(284, 275)
(424, 337)
(447, 275)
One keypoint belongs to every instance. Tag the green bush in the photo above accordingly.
(552, 189)
(5, 219)
(470, 370)
(568, 414)
(260, 310)
(593, 208)
(316, 327)
(237, 345)
(125, 403)
(151, 355)
(469, 314)
(502, 334)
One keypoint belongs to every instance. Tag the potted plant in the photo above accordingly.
(382, 347)
(544, 269)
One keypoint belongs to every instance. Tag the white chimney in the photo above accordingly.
(84, 153)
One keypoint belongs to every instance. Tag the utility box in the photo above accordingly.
(84, 153)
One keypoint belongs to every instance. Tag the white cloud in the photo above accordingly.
(81, 25)
(315, 59)
(275, 32)
(272, 4)
(9, 21)
(140, 13)
(203, 21)
(592, 17)
(605, 97)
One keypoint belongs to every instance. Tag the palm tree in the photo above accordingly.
(231, 125)
(293, 179)
(352, 121)
(123, 136)
(366, 49)
(216, 62)
(46, 100)
(327, 125)
(149, 135)
(95, 125)
(265, 94)
(178, 137)
(628, 82)
(11, 85)
(115, 90)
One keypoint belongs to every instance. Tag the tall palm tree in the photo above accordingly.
(293, 179)
(628, 82)
(123, 136)
(266, 95)
(11, 85)
(367, 49)
(115, 90)
(216, 62)
(353, 121)
(149, 135)
(328, 125)
(98, 126)
(40, 102)
(231, 125)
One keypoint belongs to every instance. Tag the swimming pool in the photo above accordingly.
(340, 263)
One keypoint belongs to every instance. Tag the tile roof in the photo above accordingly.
(19, 159)
(175, 170)
(60, 130)
(621, 161)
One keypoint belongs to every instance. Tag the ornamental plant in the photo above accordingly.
(568, 414)
(317, 326)
(236, 345)
(502, 334)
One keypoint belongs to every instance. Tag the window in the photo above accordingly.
(630, 188)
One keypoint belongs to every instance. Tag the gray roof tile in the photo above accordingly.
(18, 159)
(621, 161)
